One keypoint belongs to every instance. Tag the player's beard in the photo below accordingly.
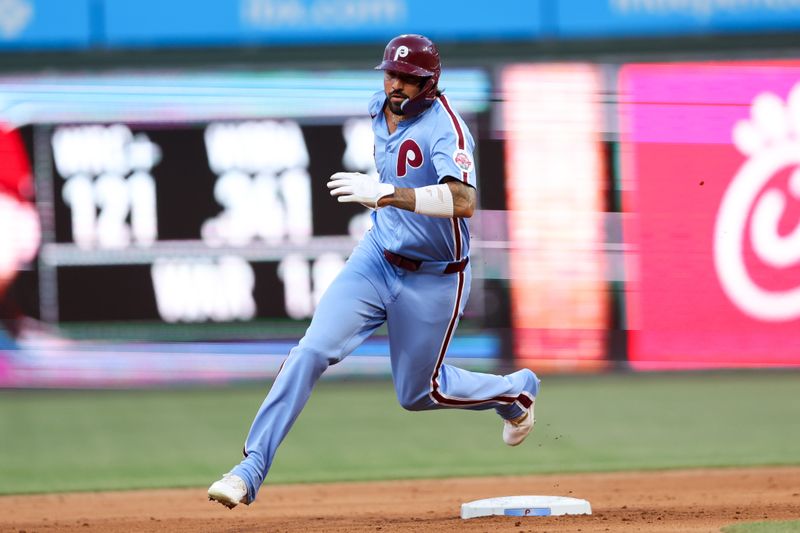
(395, 107)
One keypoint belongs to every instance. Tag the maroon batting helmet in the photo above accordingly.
(415, 55)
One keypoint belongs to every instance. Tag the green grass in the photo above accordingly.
(792, 526)
(79, 440)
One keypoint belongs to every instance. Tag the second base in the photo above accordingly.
(525, 506)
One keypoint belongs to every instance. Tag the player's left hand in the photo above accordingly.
(358, 187)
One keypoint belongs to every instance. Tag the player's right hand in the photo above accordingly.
(358, 187)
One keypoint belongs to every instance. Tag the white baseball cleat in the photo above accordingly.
(230, 491)
(515, 431)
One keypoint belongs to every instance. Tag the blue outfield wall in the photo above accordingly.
(192, 22)
(642, 18)
(109, 24)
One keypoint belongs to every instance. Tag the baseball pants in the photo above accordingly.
(421, 310)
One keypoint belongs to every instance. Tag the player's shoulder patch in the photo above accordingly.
(463, 160)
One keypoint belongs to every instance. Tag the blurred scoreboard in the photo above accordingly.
(188, 223)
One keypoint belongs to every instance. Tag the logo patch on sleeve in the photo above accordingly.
(463, 160)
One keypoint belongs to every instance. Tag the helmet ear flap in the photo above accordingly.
(429, 88)
(423, 100)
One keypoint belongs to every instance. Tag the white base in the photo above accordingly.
(525, 506)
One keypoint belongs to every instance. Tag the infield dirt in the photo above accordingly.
(669, 501)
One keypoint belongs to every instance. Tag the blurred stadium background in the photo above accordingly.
(164, 219)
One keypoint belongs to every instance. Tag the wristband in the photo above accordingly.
(434, 201)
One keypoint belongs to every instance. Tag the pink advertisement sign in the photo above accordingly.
(711, 173)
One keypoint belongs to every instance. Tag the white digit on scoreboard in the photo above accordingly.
(78, 194)
(111, 196)
(144, 218)
(269, 216)
(295, 187)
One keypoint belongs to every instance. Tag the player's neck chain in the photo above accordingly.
(395, 119)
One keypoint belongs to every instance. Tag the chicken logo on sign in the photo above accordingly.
(757, 233)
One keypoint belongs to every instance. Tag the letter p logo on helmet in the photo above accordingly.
(402, 51)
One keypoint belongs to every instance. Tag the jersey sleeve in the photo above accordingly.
(376, 103)
(452, 150)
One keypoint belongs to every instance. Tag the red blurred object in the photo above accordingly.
(15, 170)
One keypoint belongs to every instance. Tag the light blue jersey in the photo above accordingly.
(421, 306)
(422, 151)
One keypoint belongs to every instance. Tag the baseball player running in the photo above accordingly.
(410, 271)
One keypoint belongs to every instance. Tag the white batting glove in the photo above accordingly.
(358, 187)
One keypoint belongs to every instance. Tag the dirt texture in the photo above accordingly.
(671, 501)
